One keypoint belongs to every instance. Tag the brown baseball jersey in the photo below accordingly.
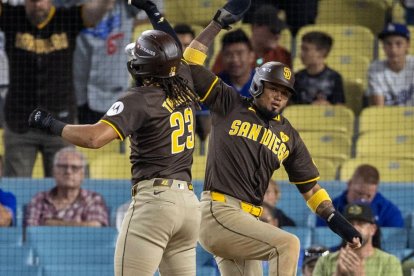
(244, 148)
(162, 137)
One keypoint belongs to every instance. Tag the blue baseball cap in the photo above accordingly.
(395, 29)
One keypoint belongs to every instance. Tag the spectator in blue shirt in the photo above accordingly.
(7, 209)
(7, 204)
(363, 187)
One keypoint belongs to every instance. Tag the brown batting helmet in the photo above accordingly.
(274, 72)
(154, 54)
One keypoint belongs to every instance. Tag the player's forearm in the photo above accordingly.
(203, 41)
(196, 53)
(86, 136)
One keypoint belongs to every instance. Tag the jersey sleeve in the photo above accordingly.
(299, 164)
(376, 85)
(213, 92)
(338, 95)
(127, 114)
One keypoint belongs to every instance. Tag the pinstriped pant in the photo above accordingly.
(160, 229)
(240, 241)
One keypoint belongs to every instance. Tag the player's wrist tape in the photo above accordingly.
(194, 56)
(338, 224)
(56, 127)
(317, 198)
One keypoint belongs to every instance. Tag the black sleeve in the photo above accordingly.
(338, 96)
(160, 23)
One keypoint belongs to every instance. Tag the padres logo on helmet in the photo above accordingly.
(287, 73)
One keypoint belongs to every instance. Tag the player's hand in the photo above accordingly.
(356, 243)
(232, 12)
(142, 4)
(43, 120)
(40, 119)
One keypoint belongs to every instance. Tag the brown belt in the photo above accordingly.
(163, 182)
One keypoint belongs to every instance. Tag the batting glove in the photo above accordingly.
(338, 224)
(232, 12)
(43, 120)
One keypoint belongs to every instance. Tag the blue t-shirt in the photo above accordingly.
(386, 213)
(244, 91)
(8, 200)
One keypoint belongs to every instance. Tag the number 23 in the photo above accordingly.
(182, 121)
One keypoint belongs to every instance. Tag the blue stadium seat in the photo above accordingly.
(24, 270)
(16, 256)
(400, 194)
(303, 233)
(115, 192)
(324, 236)
(401, 253)
(11, 236)
(207, 270)
(293, 205)
(394, 238)
(203, 257)
(25, 188)
(78, 270)
(71, 256)
(411, 238)
(71, 237)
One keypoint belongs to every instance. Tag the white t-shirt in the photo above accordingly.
(396, 87)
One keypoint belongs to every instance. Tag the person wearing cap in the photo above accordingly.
(369, 259)
(390, 81)
(363, 186)
(311, 256)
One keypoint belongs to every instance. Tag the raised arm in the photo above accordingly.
(94, 10)
(87, 136)
(232, 12)
(157, 20)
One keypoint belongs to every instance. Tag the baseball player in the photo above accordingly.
(161, 226)
(250, 139)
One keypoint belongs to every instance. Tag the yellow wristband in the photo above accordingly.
(194, 56)
(317, 198)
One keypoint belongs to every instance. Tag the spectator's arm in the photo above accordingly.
(94, 10)
(6, 217)
(33, 213)
(96, 211)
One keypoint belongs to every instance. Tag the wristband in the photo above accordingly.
(56, 127)
(317, 198)
(194, 56)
